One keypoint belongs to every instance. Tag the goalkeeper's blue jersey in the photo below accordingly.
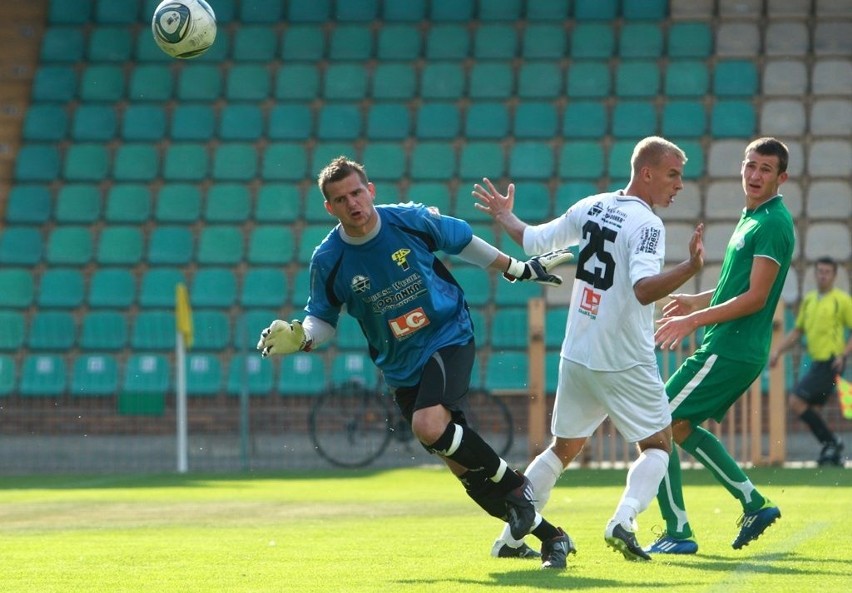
(404, 298)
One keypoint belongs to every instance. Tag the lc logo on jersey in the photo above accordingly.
(590, 302)
(400, 258)
(408, 323)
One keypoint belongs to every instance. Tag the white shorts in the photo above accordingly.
(634, 399)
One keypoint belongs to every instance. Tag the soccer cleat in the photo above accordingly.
(503, 550)
(554, 552)
(520, 511)
(622, 540)
(666, 544)
(753, 524)
(832, 453)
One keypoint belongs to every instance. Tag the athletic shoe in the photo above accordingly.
(503, 550)
(554, 552)
(832, 453)
(621, 540)
(753, 524)
(520, 511)
(667, 544)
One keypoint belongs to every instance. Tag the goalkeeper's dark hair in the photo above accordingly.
(340, 168)
(768, 146)
(650, 151)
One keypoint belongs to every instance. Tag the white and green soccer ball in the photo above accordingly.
(184, 28)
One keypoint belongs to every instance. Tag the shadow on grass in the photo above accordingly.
(542, 579)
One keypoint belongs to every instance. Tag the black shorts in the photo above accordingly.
(818, 384)
(445, 380)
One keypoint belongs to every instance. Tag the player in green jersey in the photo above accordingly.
(737, 316)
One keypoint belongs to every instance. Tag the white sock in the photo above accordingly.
(542, 472)
(643, 481)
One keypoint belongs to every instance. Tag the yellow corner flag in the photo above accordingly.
(844, 393)
(183, 314)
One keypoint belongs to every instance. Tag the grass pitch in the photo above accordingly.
(408, 530)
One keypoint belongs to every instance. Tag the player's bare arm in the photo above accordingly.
(653, 288)
(683, 304)
(499, 207)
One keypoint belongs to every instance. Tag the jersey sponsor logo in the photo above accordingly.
(408, 323)
(649, 239)
(399, 294)
(590, 302)
(400, 257)
(360, 283)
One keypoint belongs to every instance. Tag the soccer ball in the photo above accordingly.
(184, 28)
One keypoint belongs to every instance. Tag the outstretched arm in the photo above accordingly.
(500, 208)
(653, 288)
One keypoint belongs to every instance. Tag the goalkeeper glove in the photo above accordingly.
(537, 269)
(283, 338)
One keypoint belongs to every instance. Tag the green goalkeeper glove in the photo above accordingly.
(283, 338)
(537, 269)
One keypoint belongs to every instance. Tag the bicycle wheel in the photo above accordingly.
(491, 418)
(349, 426)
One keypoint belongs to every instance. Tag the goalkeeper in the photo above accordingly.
(380, 263)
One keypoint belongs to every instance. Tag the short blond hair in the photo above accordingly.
(649, 151)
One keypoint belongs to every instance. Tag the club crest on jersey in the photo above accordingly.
(400, 257)
(408, 323)
(360, 283)
(433, 210)
(590, 302)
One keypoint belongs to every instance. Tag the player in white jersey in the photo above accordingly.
(608, 366)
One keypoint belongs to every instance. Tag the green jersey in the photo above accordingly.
(766, 231)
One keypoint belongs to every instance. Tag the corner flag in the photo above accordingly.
(183, 314)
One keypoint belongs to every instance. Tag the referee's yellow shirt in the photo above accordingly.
(824, 320)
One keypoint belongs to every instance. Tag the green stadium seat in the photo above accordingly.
(385, 161)
(312, 235)
(491, 80)
(255, 43)
(220, 245)
(110, 12)
(70, 245)
(227, 202)
(37, 162)
(465, 206)
(570, 192)
(544, 41)
(62, 44)
(430, 193)
(733, 119)
(193, 122)
(437, 121)
(264, 287)
(501, 10)
(8, 374)
(509, 326)
(151, 82)
(618, 160)
(86, 162)
(251, 374)
(634, 119)
(535, 120)
(507, 371)
(596, 10)
(684, 119)
(102, 82)
(495, 42)
(202, 82)
(110, 44)
(554, 327)
(61, 288)
(552, 359)
(350, 42)
(539, 80)
(69, 12)
(240, 122)
(20, 245)
(447, 42)
(302, 374)
(178, 202)
(532, 202)
(480, 330)
(475, 282)
(303, 43)
(353, 367)
(640, 40)
(686, 79)
(645, 10)
(248, 326)
(313, 11)
(43, 375)
(51, 330)
(78, 203)
(45, 122)
(547, 10)
(301, 287)
(213, 287)
(595, 41)
(693, 40)
(112, 288)
(12, 331)
(94, 375)
(147, 374)
(388, 121)
(158, 287)
(637, 79)
(211, 330)
(486, 120)
(588, 80)
(410, 11)
(433, 161)
(325, 151)
(531, 160)
(585, 119)
(136, 162)
(147, 51)
(393, 81)
(28, 204)
(339, 121)
(291, 122)
(153, 330)
(54, 83)
(203, 375)
(442, 80)
(170, 245)
(128, 203)
(248, 82)
(361, 11)
(278, 202)
(735, 78)
(284, 162)
(16, 288)
(345, 82)
(348, 335)
(185, 161)
(103, 331)
(482, 159)
(581, 160)
(297, 82)
(143, 123)
(451, 10)
(508, 294)
(399, 42)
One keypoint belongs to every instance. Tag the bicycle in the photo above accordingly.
(351, 425)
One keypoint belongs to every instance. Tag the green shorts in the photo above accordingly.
(706, 385)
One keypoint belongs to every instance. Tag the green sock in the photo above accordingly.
(670, 499)
(707, 449)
